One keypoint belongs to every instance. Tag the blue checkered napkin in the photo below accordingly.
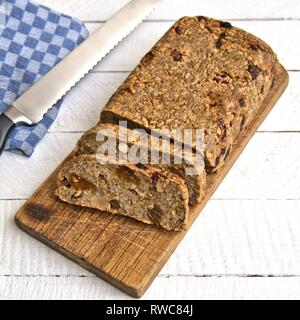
(33, 38)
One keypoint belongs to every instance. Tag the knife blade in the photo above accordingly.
(36, 101)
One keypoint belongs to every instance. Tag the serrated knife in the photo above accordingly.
(36, 101)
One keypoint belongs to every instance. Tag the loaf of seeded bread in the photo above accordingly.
(150, 195)
(203, 74)
(104, 133)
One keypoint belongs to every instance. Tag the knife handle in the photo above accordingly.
(6, 125)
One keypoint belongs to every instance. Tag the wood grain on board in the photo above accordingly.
(126, 253)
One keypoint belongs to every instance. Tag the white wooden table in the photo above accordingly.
(246, 243)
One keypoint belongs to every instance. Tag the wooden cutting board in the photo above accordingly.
(126, 253)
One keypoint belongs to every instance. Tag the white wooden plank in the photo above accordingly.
(267, 169)
(177, 288)
(23, 255)
(84, 101)
(82, 106)
(286, 114)
(280, 35)
(96, 10)
(229, 238)
(21, 175)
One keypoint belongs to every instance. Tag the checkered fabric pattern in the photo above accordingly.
(33, 38)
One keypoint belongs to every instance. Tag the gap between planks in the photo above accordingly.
(229, 19)
(258, 131)
(213, 199)
(167, 276)
(127, 71)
